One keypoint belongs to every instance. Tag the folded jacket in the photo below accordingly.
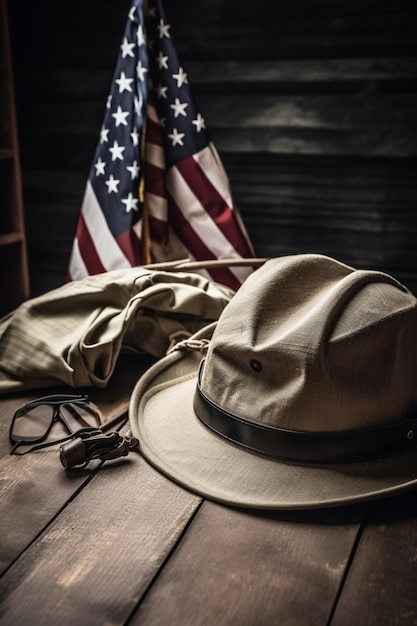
(74, 334)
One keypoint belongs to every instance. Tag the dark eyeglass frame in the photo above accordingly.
(56, 401)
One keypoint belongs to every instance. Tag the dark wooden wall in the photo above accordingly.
(311, 103)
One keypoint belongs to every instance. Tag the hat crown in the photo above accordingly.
(310, 344)
(302, 400)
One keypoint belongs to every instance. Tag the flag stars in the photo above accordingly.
(127, 49)
(140, 36)
(112, 184)
(181, 77)
(199, 122)
(131, 203)
(162, 61)
(124, 83)
(136, 105)
(179, 108)
(176, 137)
(117, 151)
(161, 92)
(141, 71)
(104, 135)
(147, 66)
(135, 137)
(163, 28)
(120, 116)
(100, 166)
(134, 170)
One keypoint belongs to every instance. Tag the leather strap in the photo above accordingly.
(304, 447)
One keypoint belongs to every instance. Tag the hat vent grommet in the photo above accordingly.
(410, 434)
(255, 365)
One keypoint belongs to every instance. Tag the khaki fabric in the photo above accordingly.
(336, 347)
(308, 346)
(74, 334)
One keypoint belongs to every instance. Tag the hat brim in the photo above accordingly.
(177, 443)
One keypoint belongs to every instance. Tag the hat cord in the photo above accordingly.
(190, 345)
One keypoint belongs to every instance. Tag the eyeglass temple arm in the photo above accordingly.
(59, 398)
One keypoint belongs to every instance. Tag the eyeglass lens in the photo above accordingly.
(32, 423)
(76, 417)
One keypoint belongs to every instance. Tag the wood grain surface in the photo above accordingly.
(312, 105)
(94, 561)
(122, 544)
(380, 585)
(234, 567)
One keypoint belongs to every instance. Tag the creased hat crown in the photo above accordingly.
(310, 344)
(305, 397)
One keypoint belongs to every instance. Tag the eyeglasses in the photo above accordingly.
(32, 423)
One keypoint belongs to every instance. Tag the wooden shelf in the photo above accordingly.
(6, 153)
(14, 274)
(11, 238)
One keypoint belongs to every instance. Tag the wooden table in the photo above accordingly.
(122, 544)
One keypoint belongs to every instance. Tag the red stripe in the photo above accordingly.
(214, 204)
(155, 183)
(158, 230)
(155, 180)
(87, 249)
(196, 246)
(153, 132)
(130, 244)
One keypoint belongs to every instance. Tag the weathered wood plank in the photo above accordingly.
(270, 76)
(96, 560)
(237, 567)
(351, 72)
(298, 140)
(329, 111)
(382, 125)
(307, 80)
(214, 29)
(360, 210)
(380, 587)
(34, 487)
(300, 29)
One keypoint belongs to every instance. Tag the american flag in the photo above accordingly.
(157, 190)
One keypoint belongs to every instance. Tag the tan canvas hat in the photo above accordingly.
(302, 395)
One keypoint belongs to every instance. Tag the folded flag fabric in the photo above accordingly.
(157, 189)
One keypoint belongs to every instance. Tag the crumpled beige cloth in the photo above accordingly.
(74, 334)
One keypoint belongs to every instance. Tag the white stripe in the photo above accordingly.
(77, 270)
(202, 223)
(109, 252)
(173, 250)
(155, 155)
(137, 229)
(209, 161)
(156, 206)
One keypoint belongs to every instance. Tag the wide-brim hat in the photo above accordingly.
(302, 395)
